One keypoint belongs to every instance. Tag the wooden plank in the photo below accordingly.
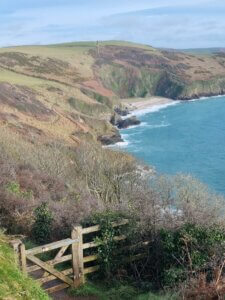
(58, 255)
(119, 238)
(91, 229)
(57, 288)
(52, 277)
(61, 252)
(91, 269)
(50, 269)
(51, 262)
(97, 227)
(94, 244)
(77, 256)
(52, 246)
(90, 245)
(90, 258)
(23, 258)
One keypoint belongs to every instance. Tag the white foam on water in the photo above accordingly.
(205, 98)
(134, 126)
(154, 108)
(121, 144)
(158, 125)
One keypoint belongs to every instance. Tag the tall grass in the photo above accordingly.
(13, 284)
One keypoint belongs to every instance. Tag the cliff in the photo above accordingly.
(68, 91)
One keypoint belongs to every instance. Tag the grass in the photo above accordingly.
(87, 108)
(103, 293)
(117, 292)
(151, 296)
(13, 284)
(15, 78)
(71, 83)
(77, 57)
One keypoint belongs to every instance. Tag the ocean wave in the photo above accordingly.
(121, 144)
(206, 98)
(143, 124)
(158, 125)
(154, 108)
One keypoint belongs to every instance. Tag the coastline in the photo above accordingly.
(137, 107)
(137, 104)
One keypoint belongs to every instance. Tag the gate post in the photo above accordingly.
(77, 256)
(16, 248)
(23, 258)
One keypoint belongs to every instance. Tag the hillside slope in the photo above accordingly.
(13, 284)
(68, 91)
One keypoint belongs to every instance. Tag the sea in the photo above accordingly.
(182, 137)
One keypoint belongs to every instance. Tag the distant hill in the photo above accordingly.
(204, 50)
(68, 91)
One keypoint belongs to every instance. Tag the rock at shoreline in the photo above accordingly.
(128, 122)
(115, 119)
(110, 139)
(122, 112)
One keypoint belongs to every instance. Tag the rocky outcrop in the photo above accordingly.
(110, 139)
(125, 123)
(116, 120)
(122, 111)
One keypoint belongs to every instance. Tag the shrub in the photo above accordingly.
(108, 249)
(41, 230)
(176, 255)
(15, 188)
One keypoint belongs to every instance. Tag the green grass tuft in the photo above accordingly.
(13, 284)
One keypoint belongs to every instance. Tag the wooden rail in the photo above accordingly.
(70, 250)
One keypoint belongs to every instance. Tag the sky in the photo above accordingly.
(160, 23)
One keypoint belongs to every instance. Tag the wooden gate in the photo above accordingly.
(73, 254)
(45, 271)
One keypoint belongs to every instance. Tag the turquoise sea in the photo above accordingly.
(186, 137)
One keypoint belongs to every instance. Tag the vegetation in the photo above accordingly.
(58, 82)
(13, 284)
(178, 216)
(118, 292)
(54, 174)
(41, 229)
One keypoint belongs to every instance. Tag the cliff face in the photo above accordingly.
(68, 91)
(140, 73)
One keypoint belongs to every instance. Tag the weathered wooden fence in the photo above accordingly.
(69, 253)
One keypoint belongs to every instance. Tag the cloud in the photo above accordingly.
(161, 23)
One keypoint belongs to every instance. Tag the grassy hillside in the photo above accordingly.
(55, 96)
(14, 285)
(67, 91)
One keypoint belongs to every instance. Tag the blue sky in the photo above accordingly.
(161, 23)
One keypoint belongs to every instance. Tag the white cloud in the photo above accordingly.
(165, 23)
